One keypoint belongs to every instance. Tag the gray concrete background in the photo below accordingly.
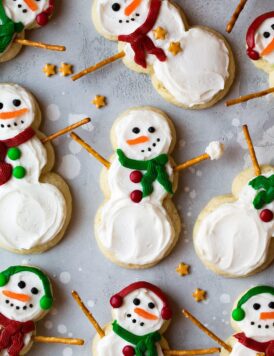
(76, 262)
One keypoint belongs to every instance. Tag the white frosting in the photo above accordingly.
(195, 75)
(32, 213)
(225, 233)
(215, 150)
(239, 349)
(261, 42)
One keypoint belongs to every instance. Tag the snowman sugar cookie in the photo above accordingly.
(231, 222)
(35, 203)
(190, 67)
(16, 16)
(138, 224)
(141, 314)
(25, 298)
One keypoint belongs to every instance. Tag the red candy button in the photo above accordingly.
(136, 196)
(128, 351)
(136, 176)
(266, 215)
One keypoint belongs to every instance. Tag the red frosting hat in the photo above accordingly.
(42, 19)
(250, 36)
(116, 300)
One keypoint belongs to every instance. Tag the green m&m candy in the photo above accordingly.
(14, 153)
(19, 172)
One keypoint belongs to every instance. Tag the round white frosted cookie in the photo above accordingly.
(35, 203)
(190, 67)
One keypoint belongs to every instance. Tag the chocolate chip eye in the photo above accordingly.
(116, 6)
(256, 306)
(151, 129)
(272, 26)
(16, 102)
(21, 284)
(151, 305)
(266, 34)
(1, 106)
(34, 290)
(271, 305)
(136, 130)
(136, 301)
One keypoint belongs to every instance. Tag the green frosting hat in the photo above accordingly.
(47, 300)
(238, 314)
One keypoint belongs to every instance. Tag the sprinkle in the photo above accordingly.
(66, 69)
(49, 70)
(99, 101)
(175, 48)
(159, 33)
(183, 269)
(199, 295)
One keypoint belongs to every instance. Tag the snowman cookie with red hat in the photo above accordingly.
(16, 16)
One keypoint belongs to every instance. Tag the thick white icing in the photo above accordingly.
(262, 42)
(225, 233)
(195, 75)
(215, 150)
(33, 213)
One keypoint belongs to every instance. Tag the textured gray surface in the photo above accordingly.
(77, 260)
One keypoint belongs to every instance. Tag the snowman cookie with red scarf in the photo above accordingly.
(190, 67)
(260, 44)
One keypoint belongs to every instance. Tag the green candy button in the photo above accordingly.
(19, 172)
(14, 153)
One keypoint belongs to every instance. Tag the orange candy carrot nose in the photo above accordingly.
(132, 6)
(267, 315)
(268, 49)
(31, 4)
(12, 114)
(144, 314)
(17, 296)
(136, 141)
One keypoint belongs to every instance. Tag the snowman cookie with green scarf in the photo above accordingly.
(16, 16)
(138, 224)
(25, 298)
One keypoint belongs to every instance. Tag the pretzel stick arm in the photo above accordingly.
(252, 153)
(58, 340)
(192, 162)
(24, 42)
(65, 130)
(214, 337)
(88, 314)
(236, 14)
(213, 350)
(245, 98)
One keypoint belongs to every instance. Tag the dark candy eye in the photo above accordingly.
(34, 290)
(116, 6)
(136, 301)
(151, 305)
(136, 130)
(151, 129)
(271, 305)
(266, 34)
(22, 284)
(256, 306)
(1, 106)
(272, 26)
(16, 102)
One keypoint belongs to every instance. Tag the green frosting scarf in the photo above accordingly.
(144, 345)
(265, 187)
(155, 170)
(8, 29)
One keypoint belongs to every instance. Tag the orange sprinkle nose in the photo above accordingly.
(31, 4)
(136, 141)
(12, 114)
(132, 6)
(268, 49)
(17, 296)
(267, 315)
(144, 314)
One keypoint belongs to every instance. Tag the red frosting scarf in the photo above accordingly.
(266, 347)
(140, 42)
(12, 334)
(6, 168)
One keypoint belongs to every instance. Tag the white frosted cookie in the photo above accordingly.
(35, 203)
(192, 67)
(16, 16)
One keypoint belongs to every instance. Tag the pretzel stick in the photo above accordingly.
(236, 14)
(252, 153)
(192, 162)
(24, 42)
(65, 130)
(209, 333)
(213, 350)
(90, 150)
(58, 340)
(99, 65)
(88, 314)
(245, 98)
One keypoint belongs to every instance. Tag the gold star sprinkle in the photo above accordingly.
(49, 70)
(159, 33)
(175, 48)
(99, 101)
(199, 295)
(66, 69)
(183, 269)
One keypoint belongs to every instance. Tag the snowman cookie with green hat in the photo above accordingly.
(25, 297)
